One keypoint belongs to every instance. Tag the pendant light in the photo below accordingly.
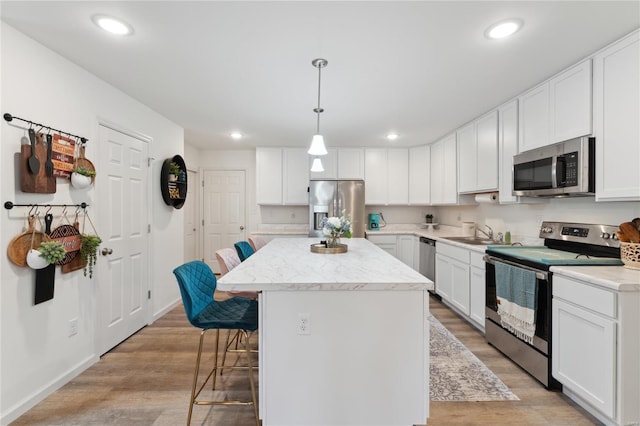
(317, 165)
(317, 143)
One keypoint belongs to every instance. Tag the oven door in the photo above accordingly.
(543, 313)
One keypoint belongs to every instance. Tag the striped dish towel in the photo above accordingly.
(517, 293)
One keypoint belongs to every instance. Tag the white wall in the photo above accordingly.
(36, 354)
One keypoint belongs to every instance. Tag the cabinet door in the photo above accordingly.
(437, 172)
(419, 175)
(444, 276)
(330, 164)
(444, 189)
(467, 158)
(584, 355)
(477, 295)
(460, 286)
(269, 175)
(570, 103)
(616, 108)
(450, 177)
(534, 118)
(404, 249)
(397, 176)
(375, 160)
(508, 142)
(295, 176)
(487, 152)
(350, 163)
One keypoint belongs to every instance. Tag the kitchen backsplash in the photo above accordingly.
(520, 219)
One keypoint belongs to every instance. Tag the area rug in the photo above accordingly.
(456, 373)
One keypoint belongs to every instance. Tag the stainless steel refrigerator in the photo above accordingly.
(329, 198)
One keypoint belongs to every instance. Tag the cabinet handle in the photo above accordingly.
(241, 228)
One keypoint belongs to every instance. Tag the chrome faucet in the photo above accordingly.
(489, 234)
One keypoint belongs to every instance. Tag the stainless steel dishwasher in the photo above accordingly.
(428, 259)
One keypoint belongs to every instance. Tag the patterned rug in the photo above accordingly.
(456, 373)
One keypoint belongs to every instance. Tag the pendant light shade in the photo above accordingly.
(317, 165)
(317, 143)
(317, 146)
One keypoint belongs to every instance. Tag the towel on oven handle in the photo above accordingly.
(517, 293)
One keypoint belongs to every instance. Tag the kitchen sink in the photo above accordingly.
(473, 240)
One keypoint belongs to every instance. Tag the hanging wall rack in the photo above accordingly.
(10, 118)
(9, 205)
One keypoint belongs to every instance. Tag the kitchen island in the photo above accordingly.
(344, 338)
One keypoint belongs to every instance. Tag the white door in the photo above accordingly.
(191, 218)
(122, 276)
(223, 212)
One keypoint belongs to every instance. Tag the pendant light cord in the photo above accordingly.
(319, 110)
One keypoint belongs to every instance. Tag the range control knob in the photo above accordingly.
(546, 230)
(605, 235)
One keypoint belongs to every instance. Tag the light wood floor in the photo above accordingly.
(146, 380)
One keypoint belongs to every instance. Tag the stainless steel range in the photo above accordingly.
(564, 244)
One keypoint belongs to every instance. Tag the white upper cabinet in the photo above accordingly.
(282, 176)
(467, 158)
(295, 177)
(478, 154)
(570, 103)
(375, 176)
(386, 176)
(350, 163)
(616, 108)
(444, 188)
(558, 109)
(269, 175)
(534, 118)
(329, 163)
(419, 175)
(508, 144)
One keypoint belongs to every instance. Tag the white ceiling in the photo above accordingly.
(419, 68)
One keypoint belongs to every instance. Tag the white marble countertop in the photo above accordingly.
(289, 264)
(616, 278)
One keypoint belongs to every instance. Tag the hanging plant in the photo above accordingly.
(89, 252)
(52, 251)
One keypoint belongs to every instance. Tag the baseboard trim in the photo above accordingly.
(164, 310)
(31, 401)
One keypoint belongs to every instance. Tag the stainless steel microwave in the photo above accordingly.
(558, 170)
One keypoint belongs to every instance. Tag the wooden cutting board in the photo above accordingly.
(38, 183)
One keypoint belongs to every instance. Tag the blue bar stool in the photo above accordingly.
(244, 250)
(197, 284)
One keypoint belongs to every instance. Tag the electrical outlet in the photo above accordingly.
(73, 327)
(304, 323)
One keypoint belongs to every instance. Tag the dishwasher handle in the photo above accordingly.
(428, 241)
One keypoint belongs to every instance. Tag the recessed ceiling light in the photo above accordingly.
(503, 29)
(236, 135)
(112, 25)
(392, 136)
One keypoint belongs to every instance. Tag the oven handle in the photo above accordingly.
(541, 275)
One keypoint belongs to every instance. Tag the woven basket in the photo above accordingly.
(630, 255)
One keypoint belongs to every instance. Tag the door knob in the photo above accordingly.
(107, 251)
(242, 228)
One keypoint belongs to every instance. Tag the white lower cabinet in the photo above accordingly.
(595, 348)
(452, 276)
(477, 289)
(386, 242)
(405, 246)
(460, 281)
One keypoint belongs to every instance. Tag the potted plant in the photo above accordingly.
(174, 171)
(49, 252)
(81, 177)
(89, 252)
(428, 218)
